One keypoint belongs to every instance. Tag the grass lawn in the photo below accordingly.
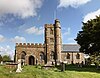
(33, 72)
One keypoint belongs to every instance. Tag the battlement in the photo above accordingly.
(29, 45)
(48, 25)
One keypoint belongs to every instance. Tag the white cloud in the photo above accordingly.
(2, 38)
(34, 30)
(91, 15)
(7, 51)
(20, 8)
(68, 32)
(18, 39)
(72, 3)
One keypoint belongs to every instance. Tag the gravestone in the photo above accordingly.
(62, 66)
(19, 69)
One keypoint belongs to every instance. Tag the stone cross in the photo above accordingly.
(19, 69)
(1, 62)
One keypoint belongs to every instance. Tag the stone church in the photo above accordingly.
(51, 51)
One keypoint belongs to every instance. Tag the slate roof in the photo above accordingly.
(70, 48)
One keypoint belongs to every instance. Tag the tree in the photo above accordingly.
(89, 37)
(6, 58)
(0, 58)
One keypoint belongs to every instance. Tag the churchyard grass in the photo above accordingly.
(33, 72)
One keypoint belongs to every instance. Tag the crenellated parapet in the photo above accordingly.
(48, 25)
(31, 45)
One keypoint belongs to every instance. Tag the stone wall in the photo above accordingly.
(73, 57)
(30, 49)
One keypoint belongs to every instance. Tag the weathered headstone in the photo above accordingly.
(62, 66)
(19, 69)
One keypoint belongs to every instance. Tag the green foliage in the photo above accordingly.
(89, 37)
(6, 58)
(95, 59)
(0, 58)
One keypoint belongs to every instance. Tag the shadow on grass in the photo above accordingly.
(82, 69)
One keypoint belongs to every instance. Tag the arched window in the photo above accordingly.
(68, 56)
(23, 54)
(41, 56)
(78, 56)
(52, 55)
(51, 31)
(51, 40)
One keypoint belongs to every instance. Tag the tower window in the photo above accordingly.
(51, 31)
(52, 55)
(51, 40)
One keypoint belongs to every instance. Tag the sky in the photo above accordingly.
(23, 20)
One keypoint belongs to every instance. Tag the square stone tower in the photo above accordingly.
(49, 41)
(53, 41)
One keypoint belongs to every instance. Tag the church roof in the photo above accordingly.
(70, 48)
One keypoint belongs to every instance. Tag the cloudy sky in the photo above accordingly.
(23, 20)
